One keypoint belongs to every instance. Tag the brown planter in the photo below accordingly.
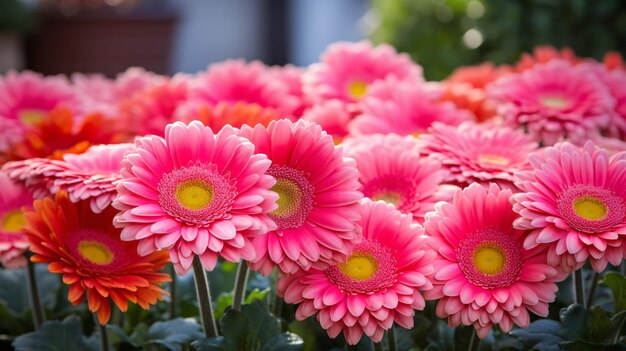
(102, 41)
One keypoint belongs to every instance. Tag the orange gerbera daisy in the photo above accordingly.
(86, 249)
(60, 132)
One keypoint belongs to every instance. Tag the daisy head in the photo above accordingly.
(333, 116)
(13, 243)
(235, 81)
(317, 197)
(483, 275)
(391, 169)
(25, 98)
(195, 192)
(378, 285)
(554, 101)
(574, 202)
(404, 108)
(347, 69)
(85, 248)
(91, 176)
(479, 153)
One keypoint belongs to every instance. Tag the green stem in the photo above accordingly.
(239, 293)
(579, 291)
(474, 342)
(592, 289)
(35, 301)
(102, 331)
(204, 299)
(173, 301)
(393, 344)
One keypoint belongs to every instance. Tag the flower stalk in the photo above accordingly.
(579, 291)
(239, 292)
(204, 299)
(35, 301)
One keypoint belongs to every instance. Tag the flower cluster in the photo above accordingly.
(366, 189)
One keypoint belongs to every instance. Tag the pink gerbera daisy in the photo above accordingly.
(150, 110)
(25, 98)
(291, 76)
(545, 54)
(391, 169)
(615, 82)
(393, 106)
(318, 197)
(347, 69)
(333, 116)
(574, 201)
(479, 153)
(237, 81)
(195, 193)
(483, 276)
(91, 176)
(554, 101)
(378, 285)
(13, 242)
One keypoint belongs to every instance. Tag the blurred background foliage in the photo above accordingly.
(444, 34)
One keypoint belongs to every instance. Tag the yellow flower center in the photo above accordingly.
(194, 194)
(589, 208)
(357, 89)
(391, 197)
(289, 196)
(554, 101)
(13, 221)
(95, 252)
(360, 266)
(489, 259)
(493, 159)
(31, 116)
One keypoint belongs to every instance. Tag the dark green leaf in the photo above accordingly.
(574, 320)
(284, 342)
(14, 293)
(617, 283)
(599, 326)
(173, 334)
(55, 336)
(212, 344)
(540, 335)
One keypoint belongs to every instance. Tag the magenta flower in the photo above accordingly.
(376, 287)
(318, 204)
(195, 193)
(574, 202)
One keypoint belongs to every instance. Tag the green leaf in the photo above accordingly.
(251, 329)
(617, 283)
(284, 342)
(580, 345)
(540, 335)
(599, 326)
(574, 322)
(56, 336)
(172, 334)
(15, 294)
(225, 300)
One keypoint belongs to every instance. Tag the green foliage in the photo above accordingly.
(617, 283)
(172, 335)
(225, 300)
(432, 30)
(57, 336)
(253, 328)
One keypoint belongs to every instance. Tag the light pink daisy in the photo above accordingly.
(333, 116)
(25, 98)
(404, 107)
(615, 82)
(574, 201)
(91, 176)
(479, 153)
(554, 101)
(378, 285)
(195, 193)
(235, 81)
(483, 276)
(347, 69)
(318, 203)
(391, 169)
(13, 242)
